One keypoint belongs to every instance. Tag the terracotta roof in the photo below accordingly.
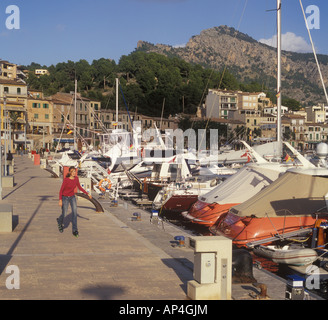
(293, 116)
(58, 101)
(39, 99)
(316, 124)
(12, 82)
(220, 120)
(4, 61)
(69, 97)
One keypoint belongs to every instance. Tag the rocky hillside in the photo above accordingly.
(250, 60)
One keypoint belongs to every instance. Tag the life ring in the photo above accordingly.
(104, 184)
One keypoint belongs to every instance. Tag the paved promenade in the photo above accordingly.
(107, 261)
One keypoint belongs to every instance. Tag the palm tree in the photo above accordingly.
(14, 120)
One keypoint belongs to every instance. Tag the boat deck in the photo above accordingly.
(116, 257)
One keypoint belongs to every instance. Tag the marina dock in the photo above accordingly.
(116, 257)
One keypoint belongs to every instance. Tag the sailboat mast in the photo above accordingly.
(75, 93)
(279, 131)
(117, 101)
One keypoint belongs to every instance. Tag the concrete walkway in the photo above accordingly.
(108, 261)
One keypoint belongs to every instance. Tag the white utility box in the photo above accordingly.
(212, 268)
(204, 270)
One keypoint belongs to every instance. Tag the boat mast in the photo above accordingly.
(75, 145)
(279, 131)
(117, 101)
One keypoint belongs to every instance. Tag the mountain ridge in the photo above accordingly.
(250, 60)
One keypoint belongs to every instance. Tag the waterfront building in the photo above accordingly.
(39, 113)
(249, 101)
(317, 114)
(272, 110)
(41, 72)
(13, 101)
(314, 133)
(294, 128)
(221, 104)
(8, 70)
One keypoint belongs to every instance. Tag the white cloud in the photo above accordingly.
(179, 45)
(289, 42)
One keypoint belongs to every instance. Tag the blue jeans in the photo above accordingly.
(66, 202)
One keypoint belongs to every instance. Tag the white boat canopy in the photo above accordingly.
(293, 194)
(244, 184)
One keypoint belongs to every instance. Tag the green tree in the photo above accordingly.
(292, 104)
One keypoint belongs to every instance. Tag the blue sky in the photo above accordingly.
(57, 31)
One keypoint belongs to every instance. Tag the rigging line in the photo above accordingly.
(194, 120)
(83, 139)
(278, 234)
(224, 70)
(94, 115)
(236, 134)
(314, 51)
(75, 129)
(127, 109)
(61, 134)
(89, 130)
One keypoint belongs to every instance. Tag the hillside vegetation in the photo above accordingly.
(148, 81)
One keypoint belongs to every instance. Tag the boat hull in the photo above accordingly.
(296, 257)
(179, 203)
(207, 214)
(153, 189)
(245, 230)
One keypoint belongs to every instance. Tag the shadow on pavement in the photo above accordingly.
(104, 292)
(5, 258)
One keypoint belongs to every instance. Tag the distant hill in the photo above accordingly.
(249, 60)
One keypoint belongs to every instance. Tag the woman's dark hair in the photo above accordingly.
(69, 170)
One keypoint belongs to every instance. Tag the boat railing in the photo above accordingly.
(300, 232)
(287, 212)
(323, 210)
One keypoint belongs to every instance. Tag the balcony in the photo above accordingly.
(229, 106)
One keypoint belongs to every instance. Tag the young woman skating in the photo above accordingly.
(67, 196)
